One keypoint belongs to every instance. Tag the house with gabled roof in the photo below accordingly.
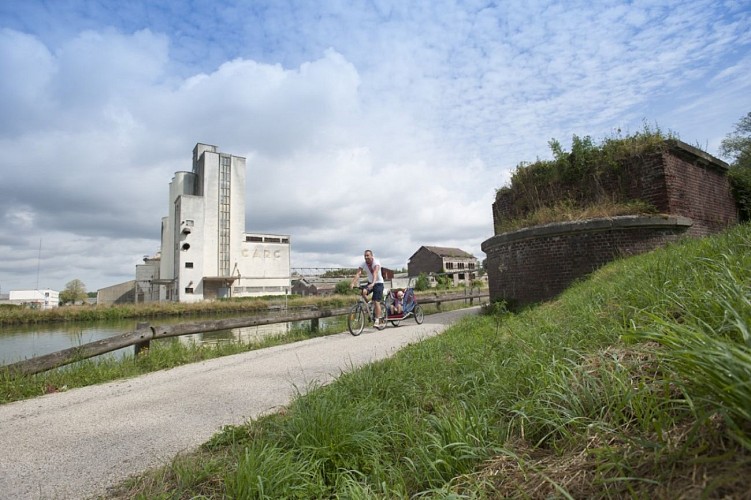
(460, 266)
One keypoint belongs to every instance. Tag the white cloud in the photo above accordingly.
(386, 126)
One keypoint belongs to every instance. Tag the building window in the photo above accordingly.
(224, 214)
(186, 246)
(189, 222)
(189, 265)
(189, 290)
(285, 240)
(272, 240)
(254, 238)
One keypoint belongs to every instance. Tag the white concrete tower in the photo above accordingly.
(205, 252)
(201, 237)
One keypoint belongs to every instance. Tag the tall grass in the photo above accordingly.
(16, 315)
(634, 383)
(10, 315)
(592, 180)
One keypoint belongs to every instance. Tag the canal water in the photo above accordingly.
(22, 342)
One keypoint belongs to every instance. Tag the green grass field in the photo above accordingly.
(635, 383)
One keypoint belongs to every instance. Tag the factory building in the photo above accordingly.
(205, 251)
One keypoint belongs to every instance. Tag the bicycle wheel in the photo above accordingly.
(419, 315)
(382, 324)
(356, 320)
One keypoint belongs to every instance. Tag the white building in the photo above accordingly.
(205, 251)
(36, 299)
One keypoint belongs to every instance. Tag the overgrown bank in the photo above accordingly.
(17, 315)
(634, 383)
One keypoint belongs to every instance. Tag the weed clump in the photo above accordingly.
(592, 180)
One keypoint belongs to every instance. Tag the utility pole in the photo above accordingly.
(39, 258)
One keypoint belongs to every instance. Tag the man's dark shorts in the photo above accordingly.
(378, 291)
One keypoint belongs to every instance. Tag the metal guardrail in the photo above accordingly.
(145, 333)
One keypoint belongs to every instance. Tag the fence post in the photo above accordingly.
(141, 346)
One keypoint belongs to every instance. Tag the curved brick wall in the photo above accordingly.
(536, 264)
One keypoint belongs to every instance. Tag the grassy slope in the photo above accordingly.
(635, 383)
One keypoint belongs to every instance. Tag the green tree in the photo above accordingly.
(342, 288)
(737, 146)
(443, 282)
(75, 291)
(422, 283)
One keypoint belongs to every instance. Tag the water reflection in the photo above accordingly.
(246, 335)
(27, 341)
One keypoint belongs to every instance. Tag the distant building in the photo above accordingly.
(460, 266)
(321, 286)
(122, 293)
(36, 299)
(314, 285)
(205, 251)
(147, 276)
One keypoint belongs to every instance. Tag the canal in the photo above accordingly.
(21, 342)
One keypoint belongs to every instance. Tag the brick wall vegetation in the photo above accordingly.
(688, 187)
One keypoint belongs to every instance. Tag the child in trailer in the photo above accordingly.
(397, 307)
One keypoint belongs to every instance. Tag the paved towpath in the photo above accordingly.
(74, 444)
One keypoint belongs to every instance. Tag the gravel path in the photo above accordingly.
(74, 444)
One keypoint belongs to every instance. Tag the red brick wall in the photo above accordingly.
(701, 192)
(536, 264)
(682, 181)
(689, 187)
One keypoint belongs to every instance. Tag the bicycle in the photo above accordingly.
(364, 308)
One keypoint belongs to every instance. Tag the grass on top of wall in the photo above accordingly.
(567, 211)
(632, 384)
(587, 182)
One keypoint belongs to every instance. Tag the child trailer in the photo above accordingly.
(401, 306)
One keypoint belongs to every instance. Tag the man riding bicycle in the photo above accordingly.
(375, 282)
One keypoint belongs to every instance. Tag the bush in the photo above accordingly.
(588, 181)
(422, 283)
(740, 183)
(343, 288)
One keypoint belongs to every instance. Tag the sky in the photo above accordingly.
(377, 124)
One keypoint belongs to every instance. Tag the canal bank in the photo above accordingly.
(19, 342)
(76, 444)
